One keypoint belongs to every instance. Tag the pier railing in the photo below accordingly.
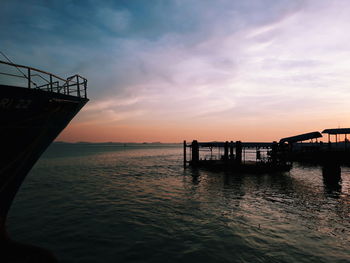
(234, 152)
(23, 76)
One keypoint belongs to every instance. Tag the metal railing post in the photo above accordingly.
(85, 85)
(78, 87)
(51, 82)
(29, 79)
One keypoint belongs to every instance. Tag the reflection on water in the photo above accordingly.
(109, 203)
(332, 179)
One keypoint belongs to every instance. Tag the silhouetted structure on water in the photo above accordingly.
(35, 106)
(237, 156)
(261, 157)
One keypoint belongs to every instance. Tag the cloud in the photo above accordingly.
(205, 75)
(184, 60)
(114, 20)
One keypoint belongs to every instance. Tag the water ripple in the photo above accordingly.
(110, 203)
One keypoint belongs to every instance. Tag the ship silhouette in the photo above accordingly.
(35, 106)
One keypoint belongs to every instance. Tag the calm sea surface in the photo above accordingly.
(110, 203)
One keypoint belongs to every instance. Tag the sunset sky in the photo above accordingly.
(170, 70)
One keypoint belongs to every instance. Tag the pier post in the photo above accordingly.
(238, 152)
(274, 152)
(346, 141)
(231, 150)
(185, 154)
(226, 151)
(195, 152)
(331, 173)
(258, 154)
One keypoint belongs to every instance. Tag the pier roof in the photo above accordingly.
(244, 144)
(337, 131)
(301, 137)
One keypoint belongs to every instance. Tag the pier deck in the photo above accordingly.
(257, 157)
(270, 157)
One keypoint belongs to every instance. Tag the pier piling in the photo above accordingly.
(238, 152)
(195, 152)
(274, 152)
(231, 150)
(185, 161)
(226, 151)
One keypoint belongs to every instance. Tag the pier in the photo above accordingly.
(261, 157)
(322, 153)
(237, 156)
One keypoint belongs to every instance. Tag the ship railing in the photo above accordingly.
(32, 78)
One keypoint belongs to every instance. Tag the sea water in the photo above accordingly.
(136, 203)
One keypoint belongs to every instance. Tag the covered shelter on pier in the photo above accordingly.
(301, 137)
(336, 132)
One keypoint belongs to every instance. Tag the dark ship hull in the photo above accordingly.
(31, 118)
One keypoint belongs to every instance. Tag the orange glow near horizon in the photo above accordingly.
(263, 130)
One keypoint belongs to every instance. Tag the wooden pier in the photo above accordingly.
(237, 156)
(261, 157)
(322, 153)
